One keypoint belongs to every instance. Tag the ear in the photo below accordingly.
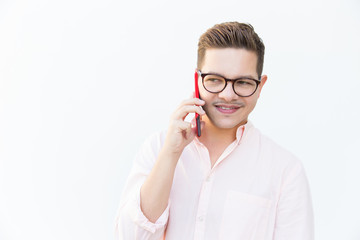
(261, 84)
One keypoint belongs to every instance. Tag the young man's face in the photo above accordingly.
(226, 109)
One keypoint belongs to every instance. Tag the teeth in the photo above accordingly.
(226, 108)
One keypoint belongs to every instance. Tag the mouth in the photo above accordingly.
(227, 108)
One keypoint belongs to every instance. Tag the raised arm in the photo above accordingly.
(144, 207)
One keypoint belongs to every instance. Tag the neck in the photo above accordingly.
(215, 135)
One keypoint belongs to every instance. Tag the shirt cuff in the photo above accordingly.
(139, 218)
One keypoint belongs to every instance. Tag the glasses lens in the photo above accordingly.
(214, 83)
(245, 87)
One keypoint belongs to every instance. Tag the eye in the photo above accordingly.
(245, 83)
(212, 79)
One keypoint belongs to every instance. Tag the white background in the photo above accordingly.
(83, 83)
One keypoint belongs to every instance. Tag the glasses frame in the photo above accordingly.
(203, 75)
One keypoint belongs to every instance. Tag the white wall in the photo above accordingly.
(83, 83)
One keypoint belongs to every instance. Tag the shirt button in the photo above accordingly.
(200, 219)
(208, 179)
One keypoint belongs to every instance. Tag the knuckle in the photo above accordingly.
(184, 102)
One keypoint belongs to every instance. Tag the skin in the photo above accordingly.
(218, 128)
(231, 63)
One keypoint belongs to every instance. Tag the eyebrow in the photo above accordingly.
(243, 76)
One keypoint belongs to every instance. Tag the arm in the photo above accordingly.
(144, 208)
(294, 218)
(156, 189)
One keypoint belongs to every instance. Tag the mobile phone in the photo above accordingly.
(197, 116)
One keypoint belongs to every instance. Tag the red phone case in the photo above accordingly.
(197, 116)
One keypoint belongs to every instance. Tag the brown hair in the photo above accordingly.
(232, 35)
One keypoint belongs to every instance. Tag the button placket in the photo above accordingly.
(204, 200)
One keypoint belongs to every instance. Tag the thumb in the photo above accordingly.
(202, 125)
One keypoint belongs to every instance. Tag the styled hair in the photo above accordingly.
(232, 35)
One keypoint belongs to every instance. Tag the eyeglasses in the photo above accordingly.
(243, 87)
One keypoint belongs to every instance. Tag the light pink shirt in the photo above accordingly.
(255, 191)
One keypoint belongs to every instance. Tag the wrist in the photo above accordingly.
(170, 154)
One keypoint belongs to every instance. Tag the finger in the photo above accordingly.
(185, 110)
(202, 125)
(190, 134)
(192, 101)
(194, 128)
(185, 128)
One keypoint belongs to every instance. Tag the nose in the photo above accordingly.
(228, 93)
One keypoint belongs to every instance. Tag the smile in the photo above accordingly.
(227, 109)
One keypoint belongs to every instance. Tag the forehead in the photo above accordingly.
(230, 62)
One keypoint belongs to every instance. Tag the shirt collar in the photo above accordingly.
(240, 133)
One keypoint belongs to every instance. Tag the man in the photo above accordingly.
(232, 182)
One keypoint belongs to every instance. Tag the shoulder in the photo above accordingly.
(154, 142)
(280, 159)
(149, 150)
(274, 152)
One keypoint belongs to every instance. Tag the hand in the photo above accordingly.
(180, 133)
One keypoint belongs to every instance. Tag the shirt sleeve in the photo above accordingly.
(294, 218)
(130, 222)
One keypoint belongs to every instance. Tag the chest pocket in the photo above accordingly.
(245, 217)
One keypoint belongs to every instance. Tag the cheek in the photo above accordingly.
(251, 101)
(208, 98)
(205, 95)
(202, 91)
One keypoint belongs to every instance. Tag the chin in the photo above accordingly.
(228, 124)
